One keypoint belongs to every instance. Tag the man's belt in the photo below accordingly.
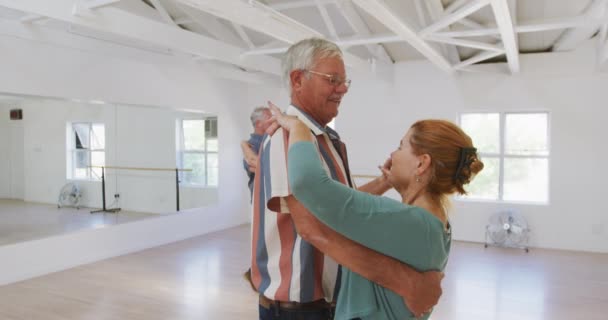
(292, 305)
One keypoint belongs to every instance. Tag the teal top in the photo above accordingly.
(407, 233)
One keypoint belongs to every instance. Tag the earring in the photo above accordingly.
(417, 179)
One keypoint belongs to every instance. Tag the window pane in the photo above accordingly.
(212, 169)
(97, 159)
(211, 128)
(194, 134)
(526, 134)
(483, 128)
(196, 162)
(212, 145)
(526, 180)
(81, 135)
(485, 184)
(98, 137)
(80, 161)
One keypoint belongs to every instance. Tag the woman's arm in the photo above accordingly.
(421, 291)
(377, 222)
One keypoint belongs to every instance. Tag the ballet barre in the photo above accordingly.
(103, 183)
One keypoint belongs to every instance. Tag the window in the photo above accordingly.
(514, 148)
(197, 149)
(86, 145)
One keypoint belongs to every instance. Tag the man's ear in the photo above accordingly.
(296, 79)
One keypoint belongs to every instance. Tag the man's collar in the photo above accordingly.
(314, 126)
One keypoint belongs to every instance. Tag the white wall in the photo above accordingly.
(4, 156)
(11, 160)
(566, 85)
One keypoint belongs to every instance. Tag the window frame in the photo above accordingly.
(72, 151)
(181, 150)
(501, 156)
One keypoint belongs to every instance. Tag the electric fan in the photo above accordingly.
(69, 196)
(507, 229)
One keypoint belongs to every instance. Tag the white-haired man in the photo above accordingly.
(295, 279)
(250, 148)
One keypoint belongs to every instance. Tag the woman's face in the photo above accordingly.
(404, 164)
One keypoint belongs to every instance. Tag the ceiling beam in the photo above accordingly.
(327, 20)
(447, 20)
(31, 18)
(385, 15)
(94, 4)
(63, 40)
(420, 12)
(360, 27)
(257, 16)
(574, 37)
(241, 32)
(355, 41)
(436, 11)
(466, 43)
(118, 22)
(507, 33)
(470, 23)
(163, 13)
(184, 20)
(602, 44)
(455, 5)
(212, 26)
(482, 56)
(298, 4)
(530, 26)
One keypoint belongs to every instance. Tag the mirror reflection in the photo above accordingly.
(69, 165)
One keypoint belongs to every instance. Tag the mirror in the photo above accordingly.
(62, 159)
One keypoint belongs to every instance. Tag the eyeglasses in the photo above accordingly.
(333, 79)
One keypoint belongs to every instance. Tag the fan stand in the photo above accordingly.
(488, 243)
(103, 195)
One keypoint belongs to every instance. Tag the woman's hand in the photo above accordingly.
(279, 119)
(386, 168)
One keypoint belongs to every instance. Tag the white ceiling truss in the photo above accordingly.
(251, 34)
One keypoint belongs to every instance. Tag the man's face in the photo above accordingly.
(315, 94)
(262, 124)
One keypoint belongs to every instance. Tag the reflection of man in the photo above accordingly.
(295, 279)
(250, 150)
(251, 147)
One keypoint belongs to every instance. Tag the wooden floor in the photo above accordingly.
(201, 278)
(23, 221)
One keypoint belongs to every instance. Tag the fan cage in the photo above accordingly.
(69, 196)
(507, 229)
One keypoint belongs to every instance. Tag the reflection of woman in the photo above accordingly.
(434, 159)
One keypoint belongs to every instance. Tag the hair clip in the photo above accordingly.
(465, 160)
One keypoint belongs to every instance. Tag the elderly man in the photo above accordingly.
(250, 148)
(294, 279)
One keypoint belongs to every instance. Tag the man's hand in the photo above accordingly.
(252, 161)
(250, 156)
(424, 293)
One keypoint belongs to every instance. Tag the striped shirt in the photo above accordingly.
(285, 267)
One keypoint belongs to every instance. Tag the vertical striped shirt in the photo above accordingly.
(285, 267)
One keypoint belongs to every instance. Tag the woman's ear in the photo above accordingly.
(424, 163)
